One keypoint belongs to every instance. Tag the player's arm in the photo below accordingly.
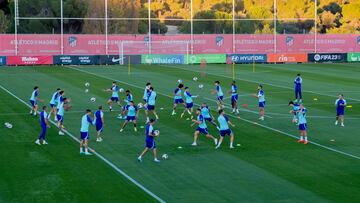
(90, 120)
(229, 122)
(47, 122)
(102, 119)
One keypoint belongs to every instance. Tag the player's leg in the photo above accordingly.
(86, 147)
(342, 120)
(300, 95)
(174, 108)
(220, 141)
(209, 136)
(41, 136)
(183, 113)
(143, 154)
(109, 103)
(81, 146)
(155, 114)
(232, 140)
(337, 118)
(196, 135)
(123, 126)
(155, 155)
(134, 122)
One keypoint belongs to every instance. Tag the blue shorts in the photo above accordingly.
(33, 103)
(150, 144)
(189, 105)
(150, 107)
(220, 98)
(52, 105)
(177, 101)
(99, 127)
(203, 130)
(84, 135)
(60, 118)
(340, 112)
(262, 104)
(225, 132)
(302, 126)
(116, 99)
(234, 98)
(209, 119)
(131, 118)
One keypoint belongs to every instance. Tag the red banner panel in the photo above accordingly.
(287, 58)
(29, 60)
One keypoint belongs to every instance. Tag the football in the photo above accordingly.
(93, 99)
(164, 156)
(195, 78)
(86, 90)
(156, 132)
(87, 84)
(201, 86)
(179, 81)
(121, 90)
(140, 105)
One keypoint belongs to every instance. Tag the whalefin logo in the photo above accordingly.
(219, 40)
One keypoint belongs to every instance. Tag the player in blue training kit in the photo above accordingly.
(114, 95)
(60, 112)
(189, 103)
(340, 104)
(220, 95)
(302, 125)
(53, 103)
(261, 96)
(150, 104)
(132, 114)
(295, 110)
(205, 112)
(297, 86)
(202, 128)
(86, 121)
(149, 140)
(146, 91)
(224, 129)
(34, 101)
(127, 101)
(234, 97)
(177, 98)
(99, 123)
(44, 123)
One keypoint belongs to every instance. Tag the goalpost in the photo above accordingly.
(155, 52)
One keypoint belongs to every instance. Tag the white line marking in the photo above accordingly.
(243, 119)
(97, 154)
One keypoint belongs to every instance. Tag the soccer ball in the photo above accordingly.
(140, 105)
(8, 125)
(201, 86)
(195, 78)
(179, 81)
(156, 132)
(86, 90)
(121, 90)
(164, 156)
(93, 99)
(87, 84)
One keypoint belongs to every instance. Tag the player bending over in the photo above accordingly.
(295, 110)
(132, 114)
(150, 104)
(34, 101)
(202, 128)
(224, 129)
(114, 95)
(297, 88)
(189, 103)
(302, 125)
(128, 99)
(99, 123)
(234, 97)
(205, 112)
(177, 98)
(53, 103)
(340, 104)
(84, 132)
(261, 96)
(149, 141)
(44, 123)
(220, 95)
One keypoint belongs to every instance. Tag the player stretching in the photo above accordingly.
(99, 123)
(84, 132)
(298, 93)
(202, 128)
(34, 101)
(132, 114)
(205, 112)
(220, 95)
(114, 95)
(224, 129)
(261, 96)
(302, 125)
(295, 110)
(44, 123)
(128, 99)
(340, 109)
(189, 103)
(53, 103)
(149, 141)
(177, 98)
(150, 104)
(234, 97)
(60, 114)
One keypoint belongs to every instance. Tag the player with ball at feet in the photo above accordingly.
(150, 140)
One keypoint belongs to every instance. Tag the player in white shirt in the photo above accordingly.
(261, 96)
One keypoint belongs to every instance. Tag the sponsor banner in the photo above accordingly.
(76, 60)
(162, 59)
(327, 57)
(29, 60)
(353, 57)
(2, 60)
(287, 58)
(247, 58)
(116, 59)
(209, 58)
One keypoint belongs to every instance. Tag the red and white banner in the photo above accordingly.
(29, 60)
(47, 44)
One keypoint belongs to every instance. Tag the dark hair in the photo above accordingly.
(298, 74)
(132, 102)
(88, 110)
(234, 81)
(186, 88)
(44, 107)
(128, 91)
(61, 92)
(198, 109)
(36, 87)
(114, 82)
(147, 84)
(218, 82)
(291, 102)
(58, 89)
(152, 120)
(100, 107)
(260, 86)
(221, 110)
(151, 88)
(181, 86)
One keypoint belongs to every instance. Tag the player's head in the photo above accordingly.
(198, 111)
(36, 88)
(302, 106)
(221, 112)
(44, 108)
(114, 83)
(341, 96)
(100, 107)
(65, 100)
(180, 86)
(233, 82)
(217, 82)
(203, 104)
(186, 88)
(58, 89)
(88, 111)
(260, 87)
(131, 103)
(151, 89)
(61, 92)
(152, 121)
(291, 103)
(298, 74)
(148, 84)
(127, 92)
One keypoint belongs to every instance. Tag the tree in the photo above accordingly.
(4, 22)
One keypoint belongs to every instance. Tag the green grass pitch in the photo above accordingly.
(269, 166)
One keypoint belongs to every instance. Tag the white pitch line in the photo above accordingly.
(97, 154)
(243, 119)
